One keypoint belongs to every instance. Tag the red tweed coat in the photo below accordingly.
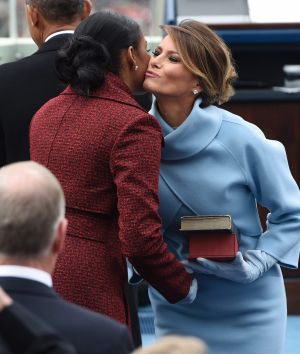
(105, 151)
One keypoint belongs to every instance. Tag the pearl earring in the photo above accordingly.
(195, 92)
(136, 67)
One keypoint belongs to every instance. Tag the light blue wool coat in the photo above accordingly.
(217, 163)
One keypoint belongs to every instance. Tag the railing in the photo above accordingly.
(16, 48)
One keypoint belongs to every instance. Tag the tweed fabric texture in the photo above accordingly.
(105, 150)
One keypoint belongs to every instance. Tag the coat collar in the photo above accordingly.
(26, 286)
(54, 43)
(193, 135)
(114, 89)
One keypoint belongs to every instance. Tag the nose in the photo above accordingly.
(155, 62)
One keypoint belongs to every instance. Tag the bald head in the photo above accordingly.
(31, 203)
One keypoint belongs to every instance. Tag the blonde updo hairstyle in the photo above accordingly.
(205, 54)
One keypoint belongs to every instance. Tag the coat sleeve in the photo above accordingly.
(271, 182)
(135, 162)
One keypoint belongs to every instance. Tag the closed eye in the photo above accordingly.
(155, 53)
(174, 59)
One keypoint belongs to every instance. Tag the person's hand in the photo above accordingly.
(241, 270)
(191, 296)
(5, 299)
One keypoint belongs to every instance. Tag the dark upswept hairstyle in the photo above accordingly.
(58, 11)
(95, 49)
(206, 55)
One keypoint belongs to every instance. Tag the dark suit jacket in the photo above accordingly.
(90, 333)
(25, 85)
(23, 332)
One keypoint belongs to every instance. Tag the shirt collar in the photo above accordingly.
(26, 273)
(58, 33)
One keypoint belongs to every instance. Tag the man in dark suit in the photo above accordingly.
(32, 232)
(27, 84)
(23, 332)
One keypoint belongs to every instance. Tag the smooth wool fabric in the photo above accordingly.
(217, 163)
(105, 151)
(25, 85)
(87, 331)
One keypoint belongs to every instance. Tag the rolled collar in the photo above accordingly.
(193, 135)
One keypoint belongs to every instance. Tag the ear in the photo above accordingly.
(131, 57)
(60, 236)
(33, 15)
(197, 86)
(87, 8)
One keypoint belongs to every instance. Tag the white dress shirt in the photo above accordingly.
(26, 273)
(57, 33)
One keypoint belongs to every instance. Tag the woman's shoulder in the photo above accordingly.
(236, 132)
(233, 123)
(244, 138)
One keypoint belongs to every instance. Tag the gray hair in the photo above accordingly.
(58, 11)
(31, 205)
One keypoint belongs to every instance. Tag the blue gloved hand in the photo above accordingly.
(241, 270)
(191, 296)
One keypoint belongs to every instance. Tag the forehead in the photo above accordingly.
(168, 44)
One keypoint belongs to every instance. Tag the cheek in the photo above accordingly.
(173, 77)
(143, 64)
(146, 58)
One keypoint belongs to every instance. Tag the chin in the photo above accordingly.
(148, 87)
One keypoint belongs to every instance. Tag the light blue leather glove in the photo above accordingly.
(241, 270)
(191, 296)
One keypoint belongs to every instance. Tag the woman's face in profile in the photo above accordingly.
(166, 74)
(142, 62)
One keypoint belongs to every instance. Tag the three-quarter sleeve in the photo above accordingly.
(274, 187)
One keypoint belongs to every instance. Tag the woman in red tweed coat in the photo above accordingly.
(105, 150)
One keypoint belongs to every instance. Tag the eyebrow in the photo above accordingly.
(168, 51)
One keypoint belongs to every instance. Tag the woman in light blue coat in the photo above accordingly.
(214, 162)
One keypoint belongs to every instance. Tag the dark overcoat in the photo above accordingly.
(89, 332)
(25, 85)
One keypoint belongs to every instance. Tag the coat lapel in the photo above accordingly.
(167, 211)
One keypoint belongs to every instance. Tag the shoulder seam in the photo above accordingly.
(235, 159)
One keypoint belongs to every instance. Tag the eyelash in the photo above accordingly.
(172, 59)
